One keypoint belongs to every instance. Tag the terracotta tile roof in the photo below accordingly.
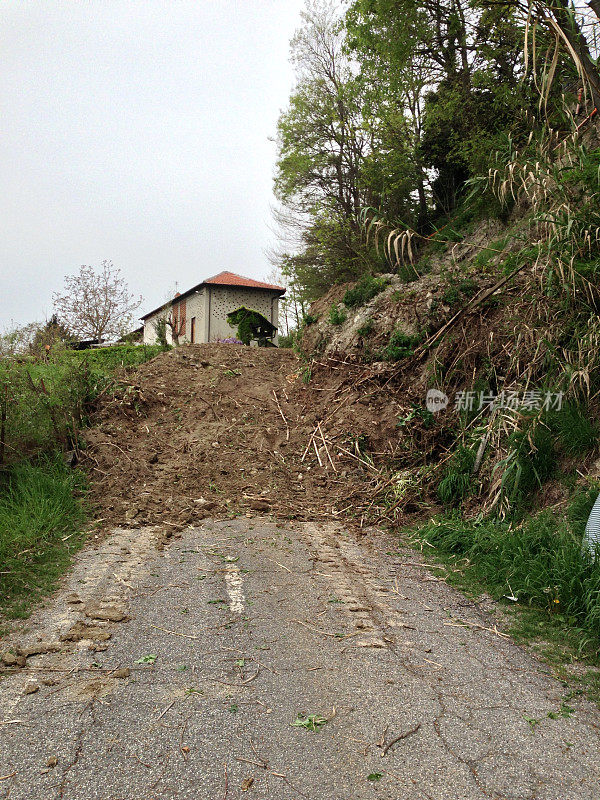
(222, 279)
(231, 279)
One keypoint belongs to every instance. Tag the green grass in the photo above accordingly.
(366, 329)
(364, 290)
(47, 401)
(42, 514)
(110, 358)
(537, 445)
(577, 433)
(459, 290)
(488, 254)
(337, 315)
(538, 561)
(456, 482)
(401, 345)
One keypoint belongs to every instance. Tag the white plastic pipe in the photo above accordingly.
(591, 537)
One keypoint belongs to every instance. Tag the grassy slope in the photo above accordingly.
(42, 501)
(42, 517)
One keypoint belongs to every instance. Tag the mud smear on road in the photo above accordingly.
(218, 430)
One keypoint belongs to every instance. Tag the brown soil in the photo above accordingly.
(197, 432)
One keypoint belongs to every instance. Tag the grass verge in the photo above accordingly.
(42, 515)
(44, 403)
(550, 591)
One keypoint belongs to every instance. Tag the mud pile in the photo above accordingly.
(221, 430)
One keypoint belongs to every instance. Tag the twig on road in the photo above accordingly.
(184, 750)
(143, 763)
(250, 761)
(226, 783)
(280, 565)
(459, 623)
(175, 633)
(325, 633)
(381, 742)
(291, 785)
(243, 683)
(260, 758)
(168, 708)
(399, 738)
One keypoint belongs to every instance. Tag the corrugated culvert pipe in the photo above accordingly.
(591, 537)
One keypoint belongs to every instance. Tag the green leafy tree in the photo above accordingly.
(323, 146)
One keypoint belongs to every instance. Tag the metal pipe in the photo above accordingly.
(591, 537)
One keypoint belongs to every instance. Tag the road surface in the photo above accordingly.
(219, 641)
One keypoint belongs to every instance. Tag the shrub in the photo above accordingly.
(401, 345)
(160, 328)
(422, 415)
(288, 340)
(366, 289)
(310, 319)
(251, 325)
(540, 561)
(337, 315)
(457, 481)
(456, 290)
(366, 329)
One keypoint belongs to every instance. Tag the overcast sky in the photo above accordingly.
(137, 132)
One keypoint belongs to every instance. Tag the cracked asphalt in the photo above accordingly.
(235, 628)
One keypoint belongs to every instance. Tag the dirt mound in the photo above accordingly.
(221, 430)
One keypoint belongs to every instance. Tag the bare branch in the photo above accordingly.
(96, 303)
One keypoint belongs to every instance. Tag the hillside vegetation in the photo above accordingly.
(45, 405)
(449, 206)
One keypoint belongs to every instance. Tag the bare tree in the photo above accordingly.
(96, 303)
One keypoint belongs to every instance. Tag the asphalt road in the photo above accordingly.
(237, 629)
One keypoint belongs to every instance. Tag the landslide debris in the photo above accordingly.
(220, 430)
